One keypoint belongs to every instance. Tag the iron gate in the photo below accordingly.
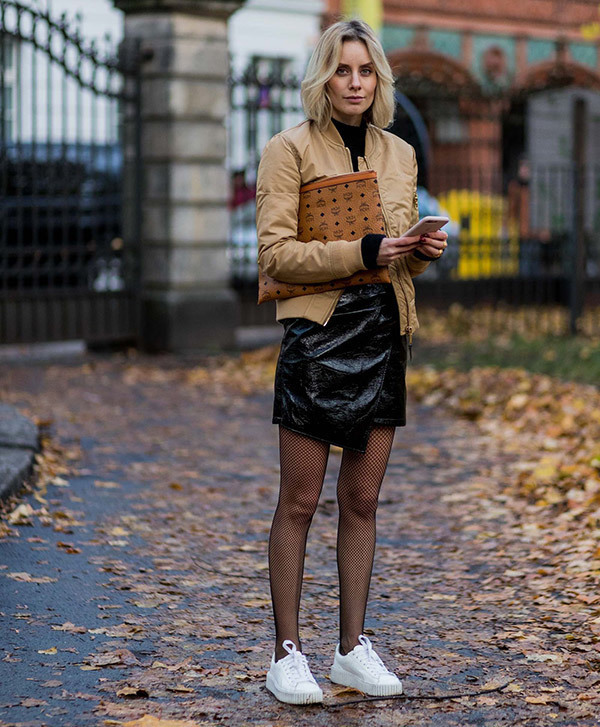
(67, 271)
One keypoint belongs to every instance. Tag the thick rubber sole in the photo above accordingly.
(313, 697)
(339, 675)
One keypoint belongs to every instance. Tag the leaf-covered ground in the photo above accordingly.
(134, 574)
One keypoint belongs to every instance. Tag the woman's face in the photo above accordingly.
(352, 87)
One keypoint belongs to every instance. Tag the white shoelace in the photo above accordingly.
(369, 657)
(296, 668)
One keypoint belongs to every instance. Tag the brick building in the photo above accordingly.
(488, 78)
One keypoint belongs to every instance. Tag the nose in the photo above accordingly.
(355, 79)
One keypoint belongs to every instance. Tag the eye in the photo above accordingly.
(367, 71)
(341, 71)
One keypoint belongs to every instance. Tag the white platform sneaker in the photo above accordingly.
(362, 669)
(290, 678)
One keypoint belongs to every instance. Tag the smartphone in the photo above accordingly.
(431, 223)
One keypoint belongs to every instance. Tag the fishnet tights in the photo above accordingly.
(303, 465)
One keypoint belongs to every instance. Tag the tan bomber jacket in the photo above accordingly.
(305, 154)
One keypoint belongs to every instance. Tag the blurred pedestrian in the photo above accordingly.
(341, 371)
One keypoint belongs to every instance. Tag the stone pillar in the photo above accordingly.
(186, 302)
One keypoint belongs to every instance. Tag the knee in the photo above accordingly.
(360, 504)
(300, 507)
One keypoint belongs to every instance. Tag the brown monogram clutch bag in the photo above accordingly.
(342, 207)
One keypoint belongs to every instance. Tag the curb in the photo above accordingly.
(19, 441)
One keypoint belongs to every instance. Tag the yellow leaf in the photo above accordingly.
(51, 650)
(545, 472)
(518, 401)
(257, 602)
(149, 720)
(222, 634)
(346, 692)
(542, 699)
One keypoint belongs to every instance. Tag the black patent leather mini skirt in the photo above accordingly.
(335, 382)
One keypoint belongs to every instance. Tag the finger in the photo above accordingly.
(432, 250)
(438, 235)
(429, 251)
(438, 243)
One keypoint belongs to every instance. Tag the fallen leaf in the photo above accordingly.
(32, 702)
(551, 658)
(150, 721)
(180, 688)
(120, 656)
(70, 628)
(58, 482)
(68, 547)
(133, 693)
(28, 578)
(21, 514)
(542, 699)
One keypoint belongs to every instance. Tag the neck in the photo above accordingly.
(354, 120)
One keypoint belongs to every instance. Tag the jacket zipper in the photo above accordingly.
(349, 158)
(409, 329)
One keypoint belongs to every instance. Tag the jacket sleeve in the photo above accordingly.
(280, 254)
(414, 262)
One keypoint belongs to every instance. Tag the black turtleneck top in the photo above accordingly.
(354, 138)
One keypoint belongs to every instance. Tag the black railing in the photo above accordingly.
(66, 269)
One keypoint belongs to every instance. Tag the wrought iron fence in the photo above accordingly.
(524, 230)
(66, 269)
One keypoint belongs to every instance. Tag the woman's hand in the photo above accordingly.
(392, 248)
(433, 244)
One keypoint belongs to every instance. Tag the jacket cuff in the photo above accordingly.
(369, 248)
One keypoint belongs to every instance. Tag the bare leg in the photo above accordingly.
(358, 488)
(303, 466)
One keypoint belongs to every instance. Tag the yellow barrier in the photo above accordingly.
(487, 249)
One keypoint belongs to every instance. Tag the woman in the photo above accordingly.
(340, 373)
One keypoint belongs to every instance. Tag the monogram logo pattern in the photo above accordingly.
(360, 215)
(347, 210)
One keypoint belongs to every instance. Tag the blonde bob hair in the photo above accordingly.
(323, 65)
